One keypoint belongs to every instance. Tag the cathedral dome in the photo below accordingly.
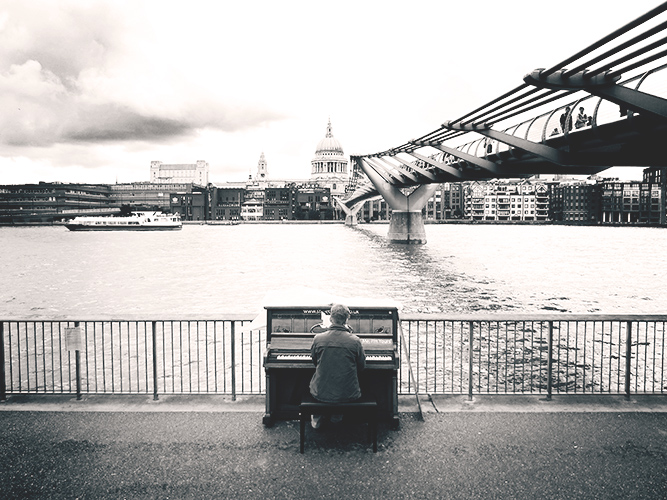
(329, 144)
(329, 166)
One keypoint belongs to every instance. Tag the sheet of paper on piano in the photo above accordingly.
(304, 296)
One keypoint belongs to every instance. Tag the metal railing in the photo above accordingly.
(537, 354)
(440, 354)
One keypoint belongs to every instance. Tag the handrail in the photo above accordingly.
(404, 316)
(441, 353)
(244, 316)
(480, 317)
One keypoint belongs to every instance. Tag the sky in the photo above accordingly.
(93, 91)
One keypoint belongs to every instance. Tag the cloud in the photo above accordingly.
(72, 76)
(103, 86)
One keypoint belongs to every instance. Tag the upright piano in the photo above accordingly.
(289, 367)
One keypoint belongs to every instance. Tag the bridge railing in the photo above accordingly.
(440, 354)
(562, 120)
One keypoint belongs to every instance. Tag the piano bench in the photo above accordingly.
(364, 407)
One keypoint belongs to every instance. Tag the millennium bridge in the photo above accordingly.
(602, 107)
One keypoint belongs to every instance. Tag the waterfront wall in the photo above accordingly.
(561, 354)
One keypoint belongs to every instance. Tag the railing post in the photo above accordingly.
(628, 357)
(154, 334)
(233, 345)
(3, 382)
(77, 359)
(470, 359)
(550, 360)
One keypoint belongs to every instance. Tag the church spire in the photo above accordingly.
(261, 168)
(329, 132)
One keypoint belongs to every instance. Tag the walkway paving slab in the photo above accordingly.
(213, 447)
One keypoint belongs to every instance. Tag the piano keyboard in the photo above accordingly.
(306, 357)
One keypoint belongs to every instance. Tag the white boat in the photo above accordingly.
(138, 221)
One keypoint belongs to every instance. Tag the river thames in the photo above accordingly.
(50, 272)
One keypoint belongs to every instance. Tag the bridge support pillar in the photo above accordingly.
(407, 227)
(350, 213)
(407, 223)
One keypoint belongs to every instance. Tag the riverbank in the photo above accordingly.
(336, 222)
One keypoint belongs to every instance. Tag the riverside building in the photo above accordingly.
(149, 195)
(633, 202)
(226, 200)
(575, 202)
(656, 180)
(180, 173)
(506, 201)
(47, 202)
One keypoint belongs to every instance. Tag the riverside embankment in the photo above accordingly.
(203, 447)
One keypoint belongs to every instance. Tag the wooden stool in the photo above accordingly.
(363, 407)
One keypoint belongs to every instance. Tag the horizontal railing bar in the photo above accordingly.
(477, 318)
(403, 317)
(140, 318)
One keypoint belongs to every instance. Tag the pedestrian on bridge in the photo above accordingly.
(566, 120)
(582, 119)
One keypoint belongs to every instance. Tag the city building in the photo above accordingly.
(192, 205)
(506, 200)
(226, 201)
(48, 202)
(252, 208)
(180, 173)
(656, 178)
(280, 203)
(575, 202)
(329, 165)
(313, 203)
(454, 198)
(632, 202)
(147, 195)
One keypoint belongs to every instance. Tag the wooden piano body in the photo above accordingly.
(289, 367)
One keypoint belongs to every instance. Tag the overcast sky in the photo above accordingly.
(92, 91)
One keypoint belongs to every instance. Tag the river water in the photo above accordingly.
(51, 273)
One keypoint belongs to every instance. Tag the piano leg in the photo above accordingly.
(394, 391)
(395, 423)
(270, 394)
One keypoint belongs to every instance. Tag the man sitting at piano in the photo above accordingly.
(339, 357)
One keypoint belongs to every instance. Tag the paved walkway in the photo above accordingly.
(210, 447)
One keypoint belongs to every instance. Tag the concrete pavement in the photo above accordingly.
(211, 447)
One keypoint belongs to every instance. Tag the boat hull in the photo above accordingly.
(85, 227)
(138, 221)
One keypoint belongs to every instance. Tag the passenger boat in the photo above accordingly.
(138, 221)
